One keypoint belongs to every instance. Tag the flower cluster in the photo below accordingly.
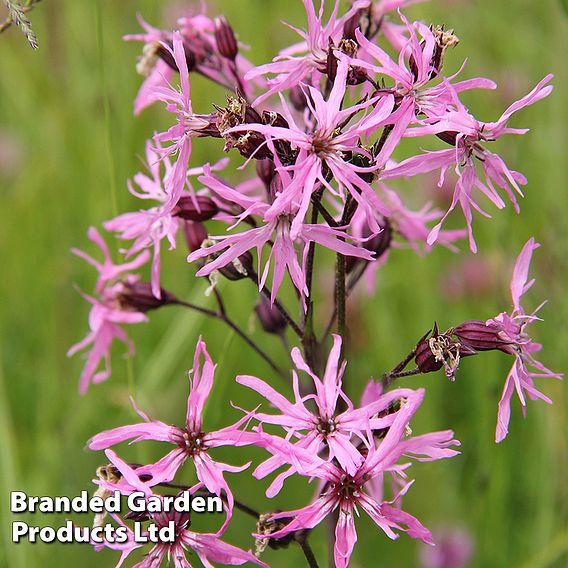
(318, 135)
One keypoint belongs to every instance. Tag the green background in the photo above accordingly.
(69, 142)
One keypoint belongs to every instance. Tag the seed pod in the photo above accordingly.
(225, 38)
(196, 208)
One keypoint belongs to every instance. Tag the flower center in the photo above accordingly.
(326, 426)
(348, 488)
(192, 442)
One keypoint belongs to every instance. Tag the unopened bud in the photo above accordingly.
(298, 98)
(271, 320)
(265, 170)
(379, 244)
(138, 297)
(476, 335)
(195, 208)
(195, 234)
(225, 38)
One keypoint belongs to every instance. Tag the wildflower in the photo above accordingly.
(149, 227)
(327, 147)
(208, 547)
(188, 124)
(507, 332)
(329, 428)
(108, 311)
(466, 133)
(191, 441)
(348, 492)
(307, 60)
(419, 62)
(277, 231)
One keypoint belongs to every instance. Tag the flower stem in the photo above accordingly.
(309, 342)
(222, 316)
(389, 378)
(302, 540)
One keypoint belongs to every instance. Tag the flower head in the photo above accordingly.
(108, 311)
(347, 492)
(191, 441)
(208, 547)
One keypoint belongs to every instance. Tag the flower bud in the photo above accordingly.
(195, 234)
(240, 268)
(195, 208)
(298, 98)
(168, 58)
(225, 38)
(476, 335)
(271, 320)
(379, 244)
(138, 297)
(265, 170)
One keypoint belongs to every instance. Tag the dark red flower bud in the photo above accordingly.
(196, 208)
(225, 38)
(195, 234)
(448, 137)
(265, 170)
(138, 297)
(476, 335)
(379, 244)
(271, 320)
(168, 58)
(240, 268)
(331, 64)
(297, 98)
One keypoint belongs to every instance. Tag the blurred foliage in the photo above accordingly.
(68, 143)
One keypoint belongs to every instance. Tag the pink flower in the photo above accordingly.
(462, 130)
(107, 311)
(348, 492)
(328, 428)
(454, 549)
(277, 230)
(511, 328)
(149, 227)
(325, 146)
(208, 547)
(305, 61)
(191, 441)
(187, 126)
